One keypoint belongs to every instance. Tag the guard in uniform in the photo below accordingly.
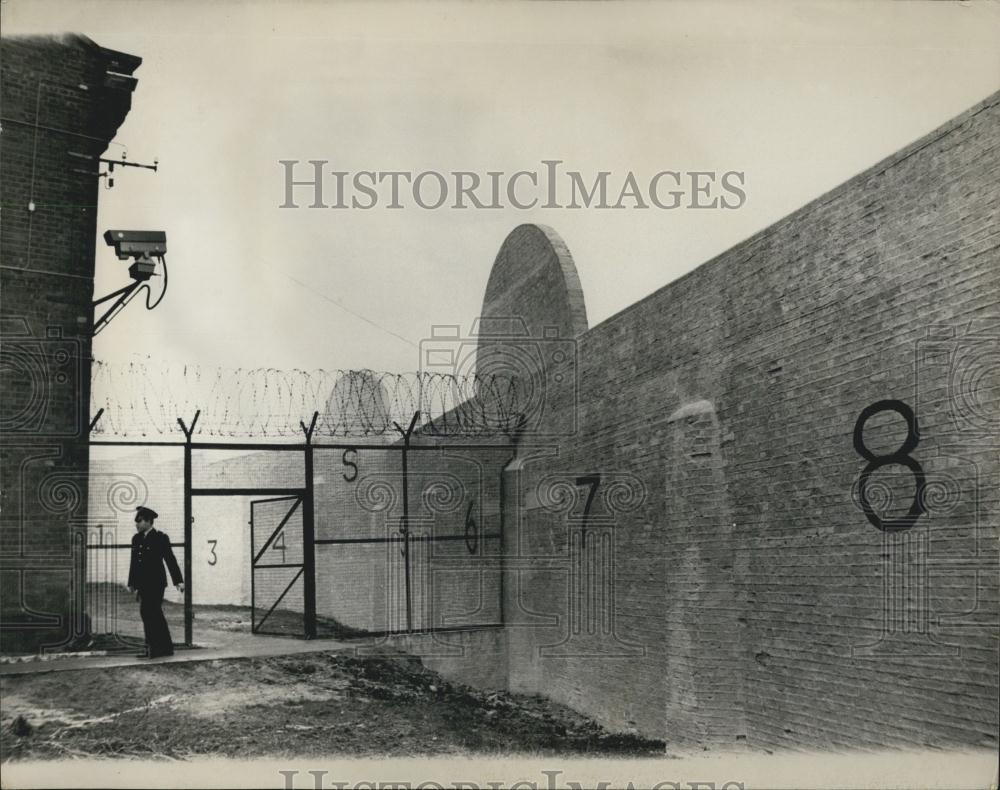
(146, 577)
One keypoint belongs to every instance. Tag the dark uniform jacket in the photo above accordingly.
(149, 552)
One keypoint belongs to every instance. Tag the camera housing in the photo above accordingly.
(137, 243)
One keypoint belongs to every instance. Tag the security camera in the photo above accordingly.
(137, 244)
(141, 246)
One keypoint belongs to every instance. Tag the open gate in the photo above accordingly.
(277, 566)
(423, 553)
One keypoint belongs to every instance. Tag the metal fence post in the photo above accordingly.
(406, 519)
(309, 535)
(188, 522)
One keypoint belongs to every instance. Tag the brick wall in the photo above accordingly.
(62, 101)
(475, 657)
(750, 601)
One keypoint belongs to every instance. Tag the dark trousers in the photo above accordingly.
(154, 623)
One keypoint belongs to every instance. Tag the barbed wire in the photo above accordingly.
(142, 398)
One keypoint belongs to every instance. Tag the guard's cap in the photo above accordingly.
(146, 513)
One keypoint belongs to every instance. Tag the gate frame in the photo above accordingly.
(298, 498)
(308, 513)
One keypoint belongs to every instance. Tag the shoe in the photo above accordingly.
(161, 655)
(142, 655)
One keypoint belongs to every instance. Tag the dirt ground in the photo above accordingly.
(115, 609)
(304, 705)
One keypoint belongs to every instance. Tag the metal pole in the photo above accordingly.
(188, 599)
(188, 522)
(406, 519)
(253, 590)
(309, 535)
(406, 540)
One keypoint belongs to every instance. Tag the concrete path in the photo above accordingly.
(214, 645)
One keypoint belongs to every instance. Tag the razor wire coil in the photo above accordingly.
(142, 398)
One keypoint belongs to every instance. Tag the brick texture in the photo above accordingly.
(753, 603)
(62, 99)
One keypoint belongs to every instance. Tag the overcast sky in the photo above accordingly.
(799, 97)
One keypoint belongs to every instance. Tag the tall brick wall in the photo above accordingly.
(62, 101)
(750, 601)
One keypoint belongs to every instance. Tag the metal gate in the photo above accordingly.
(439, 566)
(277, 566)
